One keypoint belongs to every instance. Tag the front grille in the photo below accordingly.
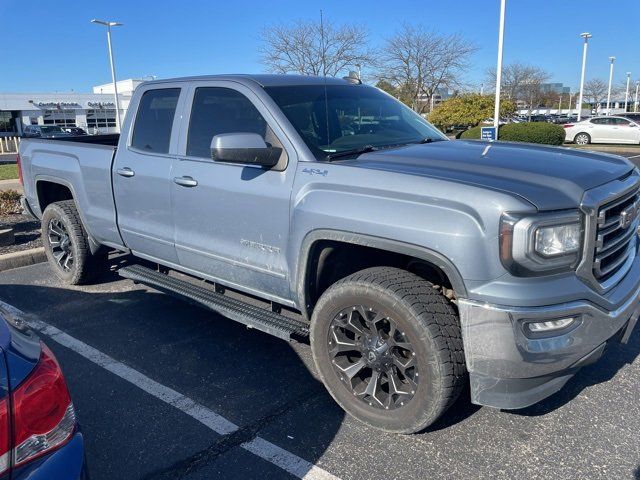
(615, 235)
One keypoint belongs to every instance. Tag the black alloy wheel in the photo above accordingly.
(373, 357)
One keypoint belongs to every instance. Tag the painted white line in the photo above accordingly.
(264, 449)
(634, 156)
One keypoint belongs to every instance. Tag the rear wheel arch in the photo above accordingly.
(49, 191)
(52, 190)
(319, 245)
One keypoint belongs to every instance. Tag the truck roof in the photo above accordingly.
(265, 80)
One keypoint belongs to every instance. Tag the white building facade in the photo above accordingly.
(94, 112)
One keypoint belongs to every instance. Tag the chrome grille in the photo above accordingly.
(615, 235)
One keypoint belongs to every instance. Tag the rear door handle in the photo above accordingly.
(125, 172)
(185, 181)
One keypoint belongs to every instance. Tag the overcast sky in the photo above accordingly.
(49, 46)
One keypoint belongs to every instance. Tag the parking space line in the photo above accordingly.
(264, 449)
(634, 156)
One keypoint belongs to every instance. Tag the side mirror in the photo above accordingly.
(247, 148)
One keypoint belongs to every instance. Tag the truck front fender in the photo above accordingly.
(386, 244)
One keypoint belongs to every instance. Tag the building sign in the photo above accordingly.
(488, 133)
(101, 105)
(57, 105)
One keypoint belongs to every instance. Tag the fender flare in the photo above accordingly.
(381, 243)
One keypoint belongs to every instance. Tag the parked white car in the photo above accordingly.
(603, 130)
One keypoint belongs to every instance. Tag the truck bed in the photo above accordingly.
(83, 166)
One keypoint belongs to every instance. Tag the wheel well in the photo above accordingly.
(49, 192)
(330, 261)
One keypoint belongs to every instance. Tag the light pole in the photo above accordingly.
(586, 36)
(560, 104)
(635, 102)
(109, 24)
(496, 110)
(612, 59)
(626, 95)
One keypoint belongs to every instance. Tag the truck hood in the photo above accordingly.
(551, 178)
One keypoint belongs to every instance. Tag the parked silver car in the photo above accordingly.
(603, 130)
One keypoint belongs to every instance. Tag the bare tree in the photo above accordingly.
(418, 63)
(595, 90)
(314, 48)
(522, 84)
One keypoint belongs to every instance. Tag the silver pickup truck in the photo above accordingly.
(324, 208)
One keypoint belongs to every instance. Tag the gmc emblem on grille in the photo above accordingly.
(628, 215)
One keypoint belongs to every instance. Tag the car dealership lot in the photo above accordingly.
(589, 430)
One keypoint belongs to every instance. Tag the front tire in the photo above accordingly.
(388, 348)
(66, 244)
(582, 139)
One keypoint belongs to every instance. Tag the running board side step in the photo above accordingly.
(250, 315)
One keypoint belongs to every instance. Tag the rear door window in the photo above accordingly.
(154, 120)
(620, 122)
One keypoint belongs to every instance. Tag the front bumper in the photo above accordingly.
(511, 369)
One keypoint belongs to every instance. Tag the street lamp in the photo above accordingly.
(612, 59)
(560, 103)
(570, 100)
(496, 111)
(109, 24)
(626, 95)
(586, 36)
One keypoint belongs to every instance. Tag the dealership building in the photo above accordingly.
(94, 112)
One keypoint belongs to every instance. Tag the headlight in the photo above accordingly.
(558, 240)
(544, 243)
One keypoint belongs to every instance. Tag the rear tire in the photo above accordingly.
(582, 139)
(408, 361)
(66, 245)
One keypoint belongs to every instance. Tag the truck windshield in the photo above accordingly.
(349, 118)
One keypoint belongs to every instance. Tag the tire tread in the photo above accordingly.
(88, 265)
(434, 312)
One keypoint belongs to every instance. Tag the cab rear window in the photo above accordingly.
(154, 120)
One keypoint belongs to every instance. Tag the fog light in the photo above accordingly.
(550, 325)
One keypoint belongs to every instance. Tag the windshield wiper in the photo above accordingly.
(430, 140)
(347, 153)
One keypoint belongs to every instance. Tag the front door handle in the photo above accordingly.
(185, 181)
(125, 172)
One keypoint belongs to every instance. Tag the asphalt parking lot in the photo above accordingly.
(266, 387)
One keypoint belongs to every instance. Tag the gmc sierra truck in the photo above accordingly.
(324, 208)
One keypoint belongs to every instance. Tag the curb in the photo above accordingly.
(22, 259)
